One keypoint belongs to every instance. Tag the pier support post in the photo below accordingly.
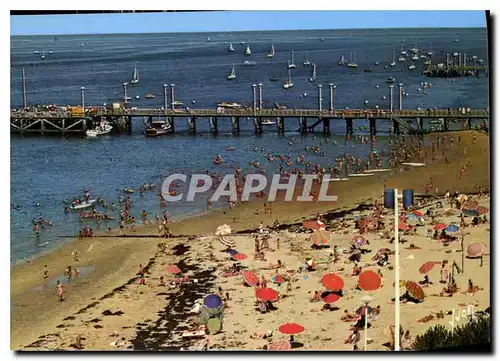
(395, 124)
(42, 125)
(373, 129)
(332, 94)
(320, 97)
(468, 123)
(280, 121)
(254, 93)
(63, 123)
(25, 97)
(258, 125)
(420, 123)
(172, 94)
(303, 125)
(326, 126)
(82, 100)
(236, 124)
(213, 124)
(260, 96)
(445, 125)
(348, 123)
(165, 97)
(125, 97)
(170, 121)
(400, 100)
(192, 124)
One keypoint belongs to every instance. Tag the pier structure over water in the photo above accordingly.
(69, 121)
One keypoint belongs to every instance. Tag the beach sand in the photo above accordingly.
(154, 317)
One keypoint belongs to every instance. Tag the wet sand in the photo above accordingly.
(147, 322)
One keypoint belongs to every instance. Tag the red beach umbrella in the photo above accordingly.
(331, 298)
(418, 213)
(250, 278)
(427, 266)
(403, 227)
(280, 345)
(369, 281)
(320, 237)
(332, 282)
(266, 294)
(173, 269)
(313, 225)
(474, 250)
(240, 256)
(291, 328)
(470, 205)
(482, 210)
(415, 290)
(440, 226)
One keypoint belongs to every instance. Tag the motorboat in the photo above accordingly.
(249, 63)
(128, 190)
(157, 128)
(341, 61)
(306, 62)
(102, 129)
(412, 67)
(149, 96)
(401, 58)
(352, 61)
(229, 105)
(393, 62)
(83, 205)
(268, 122)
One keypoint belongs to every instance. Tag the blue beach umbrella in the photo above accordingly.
(232, 252)
(451, 228)
(413, 216)
(471, 213)
(212, 301)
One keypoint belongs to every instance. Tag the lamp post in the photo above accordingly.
(254, 92)
(320, 97)
(332, 96)
(400, 86)
(165, 101)
(172, 94)
(260, 96)
(125, 98)
(82, 95)
(366, 301)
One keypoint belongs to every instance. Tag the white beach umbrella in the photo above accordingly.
(223, 230)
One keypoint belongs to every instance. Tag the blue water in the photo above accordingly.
(49, 169)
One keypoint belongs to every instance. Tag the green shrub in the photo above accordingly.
(439, 337)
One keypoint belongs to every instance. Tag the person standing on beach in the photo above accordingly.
(45, 272)
(59, 290)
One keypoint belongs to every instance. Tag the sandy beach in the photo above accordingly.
(106, 309)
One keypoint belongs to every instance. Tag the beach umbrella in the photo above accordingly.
(212, 301)
(369, 281)
(470, 205)
(250, 278)
(232, 252)
(280, 345)
(482, 210)
(474, 250)
(332, 282)
(291, 328)
(266, 294)
(413, 216)
(451, 228)
(240, 256)
(331, 297)
(314, 225)
(214, 326)
(403, 227)
(414, 290)
(320, 236)
(223, 230)
(226, 242)
(417, 213)
(427, 266)
(173, 269)
(359, 240)
(278, 279)
(471, 213)
(440, 226)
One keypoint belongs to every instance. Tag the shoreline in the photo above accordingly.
(106, 253)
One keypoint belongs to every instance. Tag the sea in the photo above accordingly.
(46, 170)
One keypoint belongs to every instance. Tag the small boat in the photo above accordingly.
(177, 102)
(367, 70)
(102, 129)
(306, 62)
(393, 62)
(129, 190)
(157, 128)
(149, 96)
(232, 75)
(456, 40)
(352, 61)
(313, 77)
(135, 76)
(288, 84)
(51, 52)
(335, 179)
(401, 58)
(378, 170)
(415, 57)
(228, 105)
(427, 63)
(412, 67)
(36, 52)
(268, 122)
(230, 48)
(271, 54)
(404, 53)
(376, 63)
(242, 43)
(274, 79)
(422, 56)
(341, 61)
(291, 65)
(137, 96)
(247, 51)
(249, 63)
(218, 160)
(43, 55)
(414, 50)
(455, 54)
(84, 205)
(413, 164)
(208, 39)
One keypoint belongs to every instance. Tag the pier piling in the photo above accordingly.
(260, 96)
(125, 96)
(258, 125)
(373, 129)
(420, 123)
(332, 94)
(400, 101)
(280, 121)
(320, 97)
(165, 97)
(326, 126)
(303, 125)
(171, 122)
(82, 98)
(213, 124)
(395, 124)
(172, 94)
(348, 123)
(235, 121)
(192, 124)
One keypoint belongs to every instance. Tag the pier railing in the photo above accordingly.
(245, 112)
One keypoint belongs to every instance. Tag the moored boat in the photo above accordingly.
(157, 128)
(83, 205)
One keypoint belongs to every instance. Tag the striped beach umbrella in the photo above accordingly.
(227, 242)
(474, 250)
(280, 345)
(250, 278)
(470, 205)
(482, 210)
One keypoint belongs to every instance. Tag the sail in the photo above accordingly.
(135, 75)
(230, 48)
(314, 71)
(272, 49)
(247, 51)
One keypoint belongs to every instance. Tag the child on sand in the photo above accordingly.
(59, 290)
(45, 272)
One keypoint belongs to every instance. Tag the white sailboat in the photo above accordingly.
(249, 63)
(415, 49)
(248, 51)
(291, 64)
(230, 47)
(430, 52)
(271, 54)
(103, 128)
(307, 62)
(232, 75)
(313, 77)
(415, 57)
(412, 67)
(135, 76)
(403, 52)
(288, 84)
(43, 54)
(401, 58)
(342, 61)
(352, 61)
(268, 122)
(393, 63)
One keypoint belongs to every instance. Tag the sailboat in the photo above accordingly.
(313, 77)
(135, 76)
(291, 65)
(430, 52)
(288, 84)
(271, 54)
(415, 49)
(404, 53)
(230, 47)
(247, 51)
(43, 54)
(401, 58)
(412, 67)
(415, 57)
(352, 61)
(306, 62)
(342, 61)
(393, 63)
(232, 76)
